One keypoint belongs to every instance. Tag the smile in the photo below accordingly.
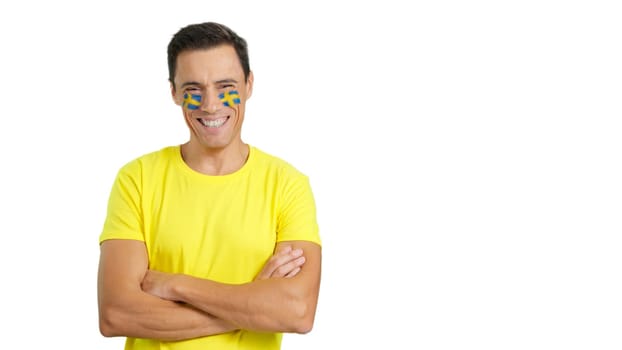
(216, 123)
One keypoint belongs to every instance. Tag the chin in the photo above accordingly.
(212, 145)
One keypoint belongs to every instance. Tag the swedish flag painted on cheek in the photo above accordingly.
(191, 101)
(230, 98)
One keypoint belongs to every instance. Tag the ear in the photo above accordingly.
(176, 99)
(249, 84)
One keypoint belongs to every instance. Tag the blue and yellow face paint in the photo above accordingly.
(230, 98)
(191, 101)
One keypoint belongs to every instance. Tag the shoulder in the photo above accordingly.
(275, 165)
(150, 160)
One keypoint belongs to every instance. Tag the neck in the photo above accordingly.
(215, 161)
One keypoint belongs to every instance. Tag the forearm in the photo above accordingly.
(275, 305)
(126, 310)
(141, 315)
(267, 305)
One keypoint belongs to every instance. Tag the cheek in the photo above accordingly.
(191, 102)
(230, 98)
(188, 118)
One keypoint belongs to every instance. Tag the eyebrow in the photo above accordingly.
(222, 81)
(226, 81)
(189, 83)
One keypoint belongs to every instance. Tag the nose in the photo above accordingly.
(211, 102)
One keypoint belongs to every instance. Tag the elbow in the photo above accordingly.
(304, 303)
(105, 329)
(304, 327)
(304, 318)
(108, 323)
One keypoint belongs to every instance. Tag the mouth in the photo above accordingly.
(213, 123)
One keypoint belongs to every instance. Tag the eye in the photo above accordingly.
(226, 86)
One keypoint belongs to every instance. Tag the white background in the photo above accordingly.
(465, 157)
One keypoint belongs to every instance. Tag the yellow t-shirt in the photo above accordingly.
(222, 228)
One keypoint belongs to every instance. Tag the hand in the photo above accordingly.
(158, 284)
(284, 263)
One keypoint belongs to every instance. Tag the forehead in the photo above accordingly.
(207, 65)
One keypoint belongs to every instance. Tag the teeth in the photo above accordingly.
(213, 123)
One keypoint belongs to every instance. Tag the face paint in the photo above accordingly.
(191, 101)
(230, 98)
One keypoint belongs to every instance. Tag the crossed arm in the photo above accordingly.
(137, 302)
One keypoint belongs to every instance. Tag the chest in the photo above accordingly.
(224, 231)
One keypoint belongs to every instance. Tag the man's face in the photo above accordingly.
(207, 78)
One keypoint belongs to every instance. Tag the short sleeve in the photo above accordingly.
(297, 214)
(124, 219)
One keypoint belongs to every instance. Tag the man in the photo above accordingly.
(212, 244)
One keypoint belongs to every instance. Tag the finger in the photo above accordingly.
(283, 249)
(293, 273)
(279, 259)
(284, 269)
(282, 259)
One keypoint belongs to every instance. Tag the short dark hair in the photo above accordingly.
(205, 36)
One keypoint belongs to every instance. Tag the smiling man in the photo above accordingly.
(212, 244)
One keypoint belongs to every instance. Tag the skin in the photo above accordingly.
(137, 302)
(213, 151)
(127, 310)
(266, 305)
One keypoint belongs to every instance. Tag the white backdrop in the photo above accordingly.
(465, 157)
